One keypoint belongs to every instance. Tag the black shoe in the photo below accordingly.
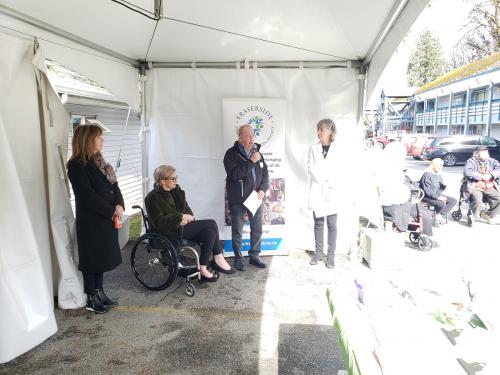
(95, 304)
(330, 261)
(239, 265)
(108, 302)
(315, 259)
(216, 267)
(212, 279)
(257, 262)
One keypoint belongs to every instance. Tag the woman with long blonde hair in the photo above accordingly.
(98, 202)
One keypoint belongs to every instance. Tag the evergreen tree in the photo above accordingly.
(426, 61)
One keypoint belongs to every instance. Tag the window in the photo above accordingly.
(470, 142)
(496, 92)
(443, 101)
(479, 96)
(446, 142)
(420, 107)
(431, 104)
(487, 141)
(81, 119)
(459, 99)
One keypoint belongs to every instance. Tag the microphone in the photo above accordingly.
(253, 150)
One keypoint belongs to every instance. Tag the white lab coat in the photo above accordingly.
(324, 180)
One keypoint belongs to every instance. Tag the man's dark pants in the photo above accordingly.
(440, 206)
(237, 212)
(492, 195)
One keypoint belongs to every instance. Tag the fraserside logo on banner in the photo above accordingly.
(266, 116)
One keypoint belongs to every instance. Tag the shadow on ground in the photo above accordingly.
(218, 331)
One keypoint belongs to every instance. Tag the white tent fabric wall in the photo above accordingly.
(186, 131)
(27, 316)
(120, 78)
(69, 279)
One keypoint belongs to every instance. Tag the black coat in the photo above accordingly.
(239, 180)
(165, 210)
(95, 201)
(432, 185)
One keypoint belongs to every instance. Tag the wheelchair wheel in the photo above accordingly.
(414, 237)
(190, 290)
(424, 243)
(154, 261)
(456, 215)
(216, 275)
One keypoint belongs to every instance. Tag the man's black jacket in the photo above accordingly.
(239, 180)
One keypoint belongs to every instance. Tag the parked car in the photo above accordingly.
(457, 149)
(408, 140)
(415, 149)
(392, 135)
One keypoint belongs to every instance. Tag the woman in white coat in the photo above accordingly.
(322, 190)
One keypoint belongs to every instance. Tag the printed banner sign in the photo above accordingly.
(267, 118)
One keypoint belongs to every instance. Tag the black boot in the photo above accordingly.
(108, 302)
(95, 304)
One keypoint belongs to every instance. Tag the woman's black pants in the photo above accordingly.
(91, 282)
(206, 233)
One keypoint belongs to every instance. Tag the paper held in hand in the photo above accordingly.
(252, 203)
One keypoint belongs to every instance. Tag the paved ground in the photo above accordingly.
(273, 321)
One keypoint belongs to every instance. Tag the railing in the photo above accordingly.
(442, 116)
(458, 114)
(429, 118)
(478, 113)
(495, 111)
(419, 119)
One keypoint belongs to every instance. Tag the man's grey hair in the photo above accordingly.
(240, 129)
(328, 124)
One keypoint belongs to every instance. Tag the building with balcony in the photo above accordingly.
(463, 101)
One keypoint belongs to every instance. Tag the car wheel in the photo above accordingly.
(450, 160)
(380, 145)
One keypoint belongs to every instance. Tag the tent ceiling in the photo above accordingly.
(341, 29)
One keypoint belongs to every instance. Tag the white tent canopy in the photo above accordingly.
(112, 42)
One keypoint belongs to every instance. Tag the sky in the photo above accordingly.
(445, 19)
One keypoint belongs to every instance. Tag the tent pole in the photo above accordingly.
(144, 132)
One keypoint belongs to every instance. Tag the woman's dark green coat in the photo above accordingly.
(165, 210)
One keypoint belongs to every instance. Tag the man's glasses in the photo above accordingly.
(171, 179)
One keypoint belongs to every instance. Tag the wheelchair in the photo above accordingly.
(464, 201)
(415, 226)
(157, 260)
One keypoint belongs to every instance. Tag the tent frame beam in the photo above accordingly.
(56, 31)
(246, 64)
(387, 26)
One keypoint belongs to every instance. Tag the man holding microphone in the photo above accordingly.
(246, 172)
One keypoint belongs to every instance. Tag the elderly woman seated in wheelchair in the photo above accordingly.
(172, 230)
(400, 200)
(171, 216)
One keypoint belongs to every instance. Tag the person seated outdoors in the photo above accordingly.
(432, 185)
(395, 192)
(172, 217)
(481, 173)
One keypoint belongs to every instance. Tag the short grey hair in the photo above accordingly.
(240, 129)
(162, 173)
(328, 124)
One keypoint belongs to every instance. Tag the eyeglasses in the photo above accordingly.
(171, 179)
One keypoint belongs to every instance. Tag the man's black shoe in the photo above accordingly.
(239, 265)
(257, 262)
